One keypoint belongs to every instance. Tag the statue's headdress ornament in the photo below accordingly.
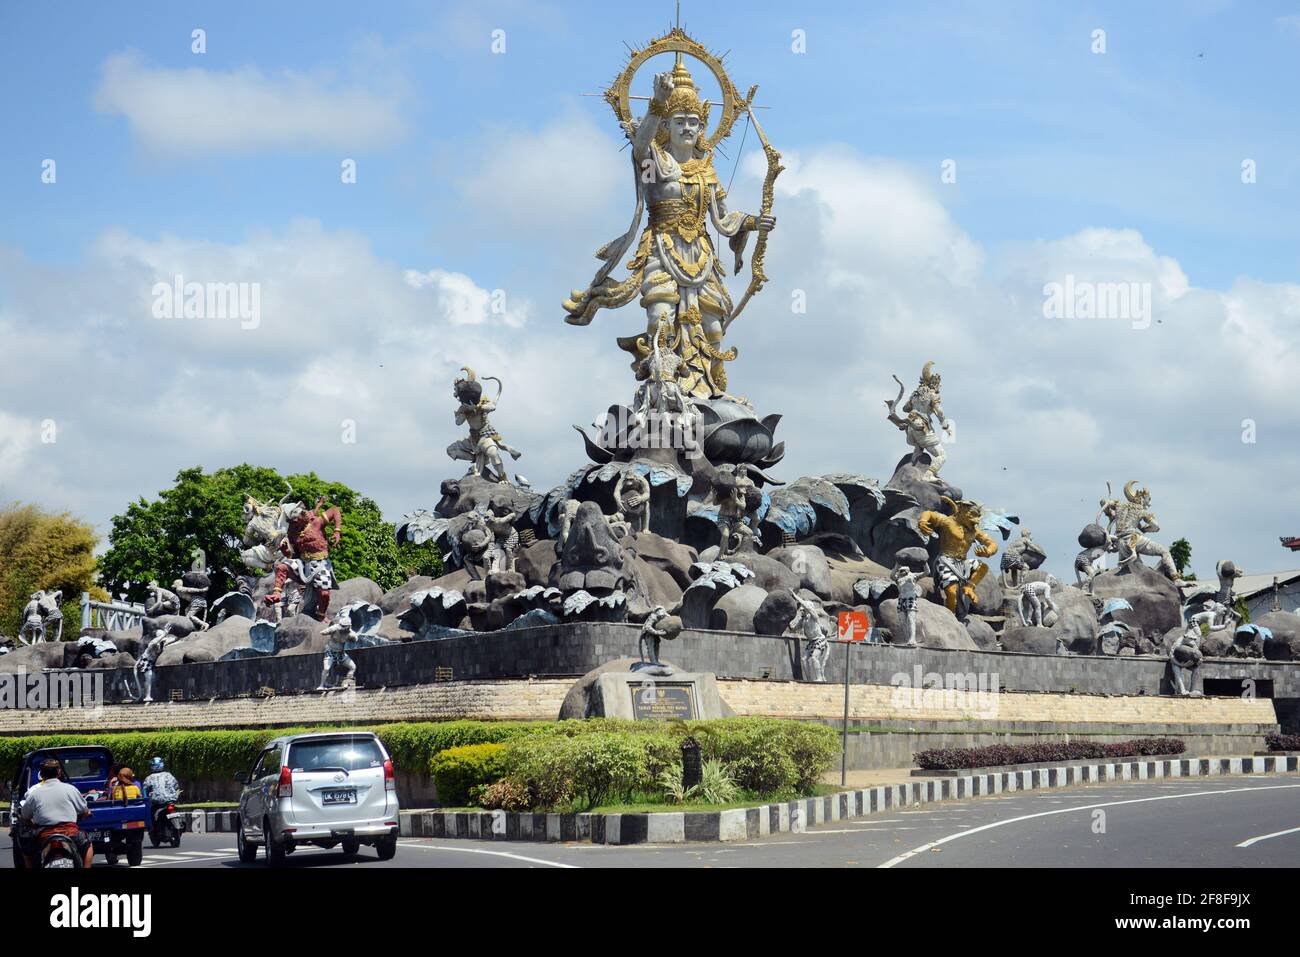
(1134, 492)
(685, 98)
(928, 375)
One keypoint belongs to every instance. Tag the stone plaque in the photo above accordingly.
(663, 701)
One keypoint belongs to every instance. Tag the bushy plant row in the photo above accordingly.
(586, 764)
(950, 759)
(555, 761)
(1283, 742)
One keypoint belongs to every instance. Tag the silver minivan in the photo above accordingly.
(328, 788)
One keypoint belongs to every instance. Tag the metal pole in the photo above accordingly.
(844, 749)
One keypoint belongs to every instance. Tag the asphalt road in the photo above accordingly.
(1216, 822)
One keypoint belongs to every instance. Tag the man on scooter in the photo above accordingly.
(54, 806)
(161, 788)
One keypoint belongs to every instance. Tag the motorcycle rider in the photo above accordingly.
(161, 787)
(54, 806)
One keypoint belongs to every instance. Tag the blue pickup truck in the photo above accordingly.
(117, 827)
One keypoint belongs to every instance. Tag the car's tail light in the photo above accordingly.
(390, 778)
(171, 808)
(285, 788)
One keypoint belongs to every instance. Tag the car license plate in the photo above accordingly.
(99, 837)
(339, 797)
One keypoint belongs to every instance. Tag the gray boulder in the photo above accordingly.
(396, 601)
(776, 612)
(735, 610)
(982, 633)
(356, 589)
(809, 563)
(1285, 643)
(208, 645)
(1156, 601)
(1030, 639)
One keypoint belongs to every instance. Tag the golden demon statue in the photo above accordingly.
(674, 266)
(954, 573)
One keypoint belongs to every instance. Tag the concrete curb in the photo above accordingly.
(743, 824)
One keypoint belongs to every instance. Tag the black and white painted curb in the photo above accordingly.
(743, 824)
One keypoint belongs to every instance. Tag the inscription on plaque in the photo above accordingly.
(655, 701)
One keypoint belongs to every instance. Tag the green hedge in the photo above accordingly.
(459, 772)
(588, 760)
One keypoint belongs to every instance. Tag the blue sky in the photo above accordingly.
(1066, 159)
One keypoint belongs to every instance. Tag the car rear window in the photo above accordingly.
(351, 754)
(75, 769)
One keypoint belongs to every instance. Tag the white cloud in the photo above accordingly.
(193, 111)
(1048, 411)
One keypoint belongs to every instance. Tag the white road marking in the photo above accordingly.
(475, 850)
(1265, 837)
(1067, 810)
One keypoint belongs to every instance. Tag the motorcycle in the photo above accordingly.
(163, 828)
(58, 852)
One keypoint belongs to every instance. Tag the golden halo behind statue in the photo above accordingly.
(676, 41)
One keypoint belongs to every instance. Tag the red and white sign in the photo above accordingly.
(854, 626)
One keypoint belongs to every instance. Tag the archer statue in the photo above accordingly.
(674, 266)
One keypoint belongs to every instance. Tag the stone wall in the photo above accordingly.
(575, 649)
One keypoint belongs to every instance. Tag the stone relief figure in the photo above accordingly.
(482, 447)
(39, 615)
(674, 266)
(920, 415)
(1023, 554)
(148, 660)
(1130, 521)
(1036, 602)
(632, 500)
(954, 572)
(308, 558)
(909, 593)
(817, 647)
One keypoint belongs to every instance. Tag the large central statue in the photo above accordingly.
(674, 266)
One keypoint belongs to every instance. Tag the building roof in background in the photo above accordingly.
(1247, 586)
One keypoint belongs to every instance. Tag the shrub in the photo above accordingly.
(1283, 742)
(505, 795)
(588, 768)
(716, 784)
(755, 749)
(458, 773)
(948, 759)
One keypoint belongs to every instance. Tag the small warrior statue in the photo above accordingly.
(40, 612)
(1090, 562)
(1036, 602)
(308, 558)
(739, 500)
(148, 660)
(956, 574)
(1130, 521)
(337, 634)
(632, 500)
(161, 601)
(1024, 554)
(266, 525)
(817, 646)
(921, 410)
(657, 627)
(482, 447)
(500, 553)
(193, 591)
(909, 593)
(1185, 653)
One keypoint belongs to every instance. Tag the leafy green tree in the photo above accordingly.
(1181, 551)
(43, 550)
(199, 523)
